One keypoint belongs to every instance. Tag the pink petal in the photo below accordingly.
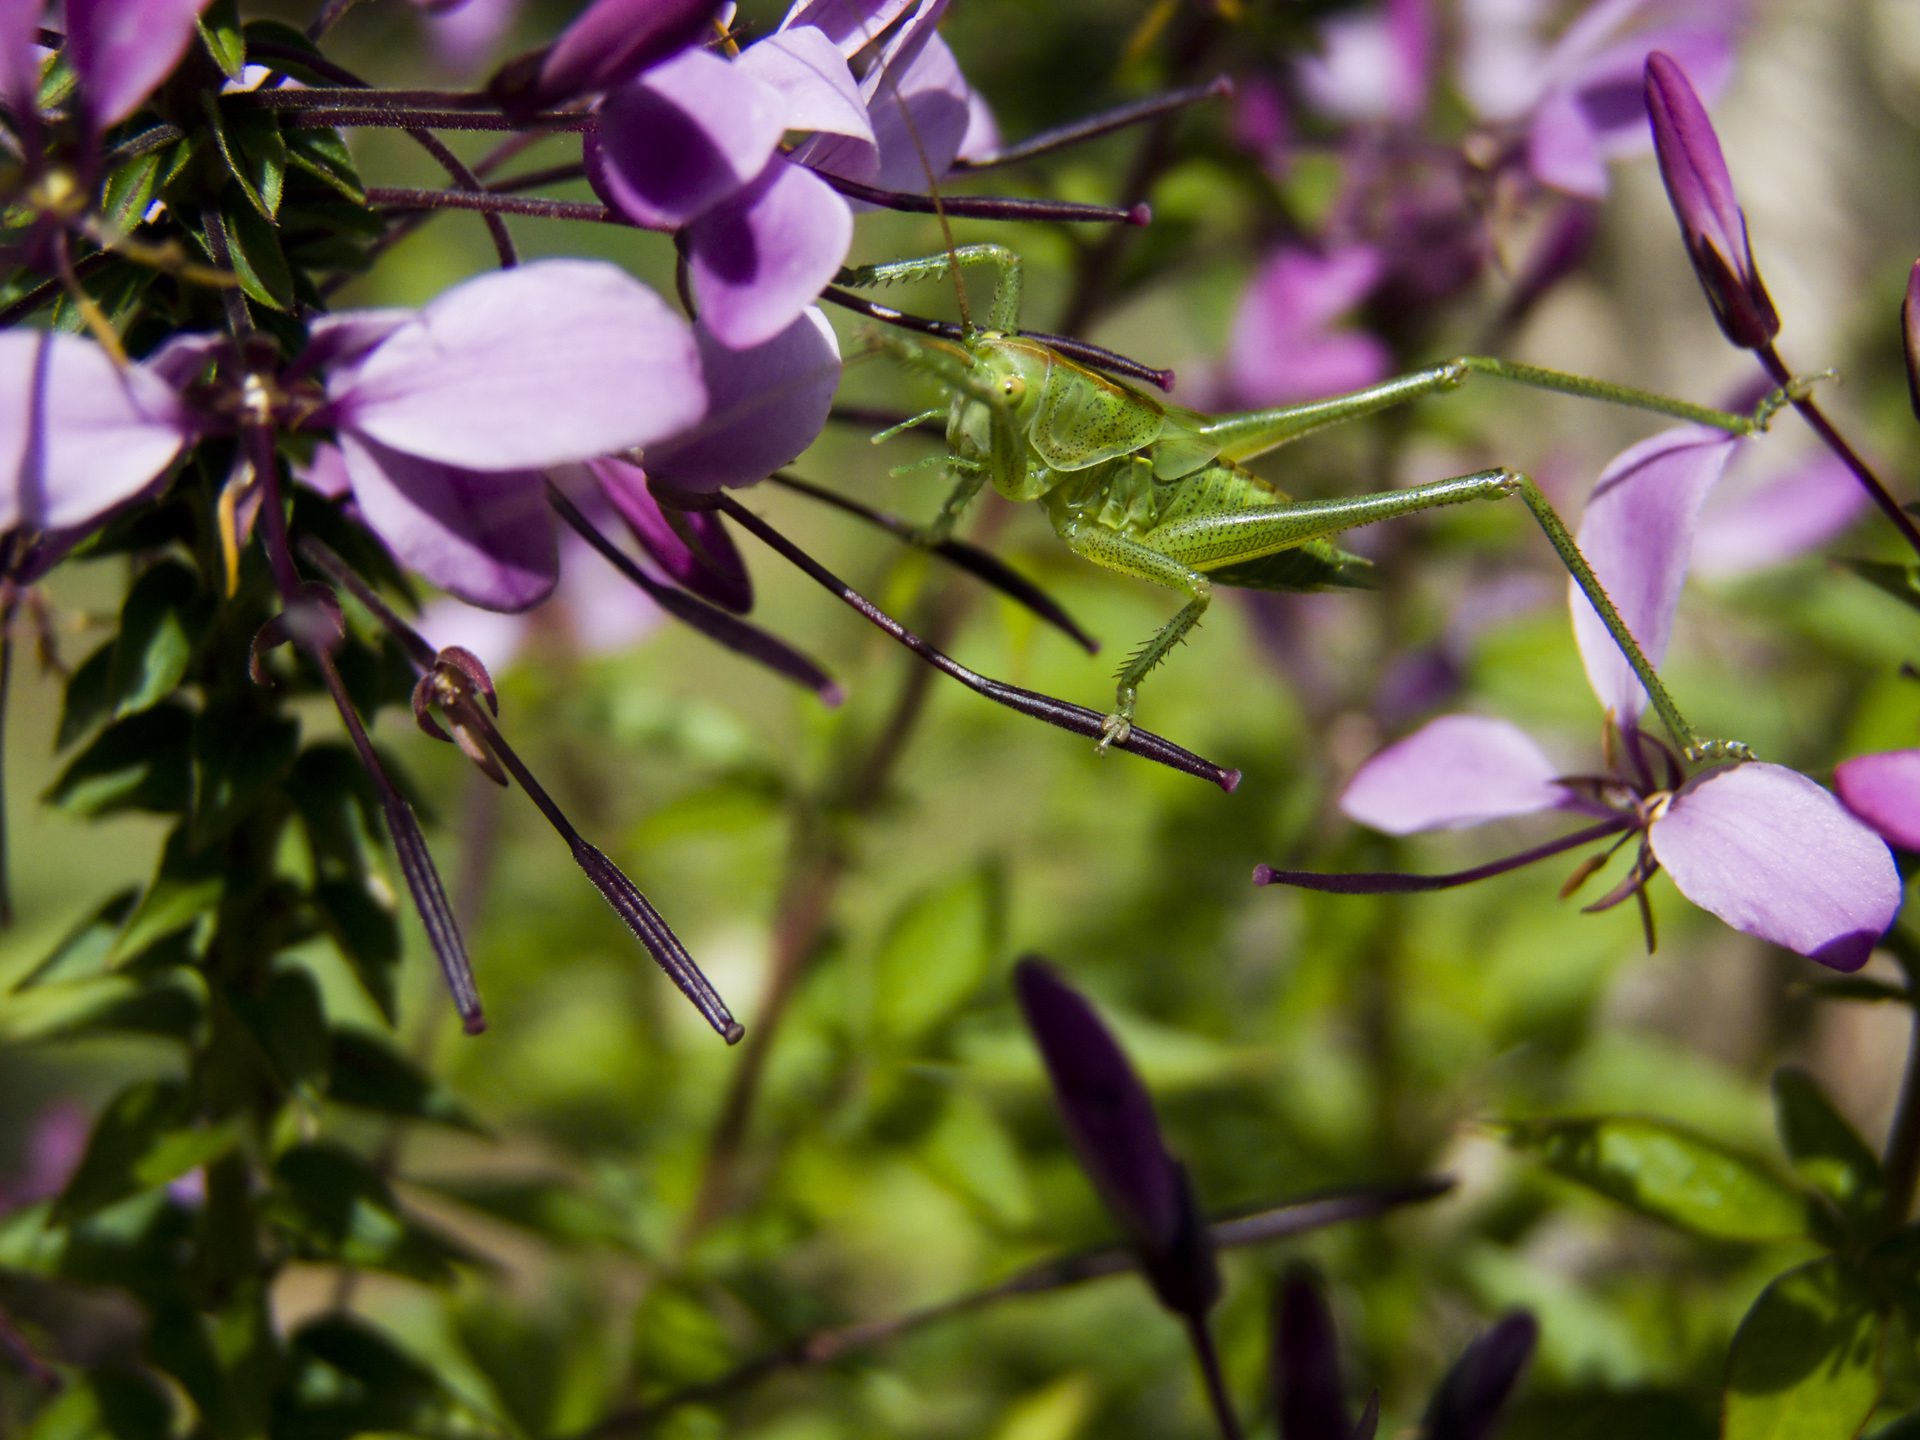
(769, 403)
(934, 93)
(1636, 534)
(555, 361)
(1456, 771)
(680, 138)
(760, 258)
(121, 49)
(983, 131)
(346, 336)
(850, 24)
(466, 36)
(1884, 791)
(184, 359)
(1563, 151)
(812, 78)
(1357, 74)
(326, 473)
(1786, 518)
(485, 538)
(1777, 857)
(1612, 86)
(490, 634)
(78, 435)
(608, 611)
(19, 54)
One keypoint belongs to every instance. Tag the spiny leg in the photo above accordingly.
(1003, 314)
(1130, 557)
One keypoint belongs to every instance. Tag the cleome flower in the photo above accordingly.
(1763, 847)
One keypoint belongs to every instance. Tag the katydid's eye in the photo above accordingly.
(1013, 387)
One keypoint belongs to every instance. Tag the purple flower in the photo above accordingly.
(1283, 350)
(1581, 101)
(1884, 791)
(1374, 66)
(690, 145)
(1711, 221)
(1761, 846)
(119, 49)
(609, 43)
(1469, 1401)
(1109, 1118)
(709, 566)
(448, 418)
(79, 432)
(1775, 520)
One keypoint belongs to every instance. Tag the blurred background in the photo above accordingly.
(646, 1220)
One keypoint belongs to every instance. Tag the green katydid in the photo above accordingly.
(1160, 492)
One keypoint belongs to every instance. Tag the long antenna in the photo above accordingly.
(939, 210)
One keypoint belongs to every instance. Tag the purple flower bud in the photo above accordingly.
(1470, 1399)
(1306, 1362)
(610, 42)
(1711, 221)
(1910, 332)
(1109, 1118)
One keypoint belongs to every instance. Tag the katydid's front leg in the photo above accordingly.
(1130, 557)
(973, 475)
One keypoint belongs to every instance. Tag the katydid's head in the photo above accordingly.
(1016, 369)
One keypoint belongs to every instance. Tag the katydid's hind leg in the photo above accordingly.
(1129, 557)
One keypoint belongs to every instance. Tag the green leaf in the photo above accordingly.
(86, 700)
(130, 189)
(118, 1404)
(1900, 581)
(143, 1139)
(343, 1378)
(166, 1007)
(263, 154)
(323, 154)
(254, 247)
(679, 1340)
(555, 1209)
(370, 1074)
(1857, 987)
(289, 1024)
(338, 807)
(238, 755)
(1669, 1173)
(139, 763)
(83, 950)
(187, 885)
(1827, 1151)
(936, 955)
(1806, 1360)
(220, 32)
(366, 933)
(164, 616)
(228, 144)
(339, 1209)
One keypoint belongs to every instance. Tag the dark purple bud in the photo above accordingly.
(1109, 1118)
(1711, 221)
(611, 42)
(1910, 333)
(1470, 1399)
(1306, 1362)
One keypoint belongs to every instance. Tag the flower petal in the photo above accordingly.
(78, 434)
(1308, 1389)
(519, 369)
(769, 402)
(850, 24)
(20, 54)
(1777, 857)
(614, 40)
(1471, 1396)
(679, 139)
(760, 258)
(1281, 351)
(485, 538)
(1637, 534)
(1456, 771)
(1563, 151)
(121, 49)
(1780, 521)
(1884, 791)
(934, 94)
(718, 575)
(811, 76)
(1612, 86)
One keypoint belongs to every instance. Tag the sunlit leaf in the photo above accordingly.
(1806, 1360)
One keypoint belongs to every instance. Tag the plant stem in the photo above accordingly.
(1834, 441)
(1209, 1358)
(1900, 1169)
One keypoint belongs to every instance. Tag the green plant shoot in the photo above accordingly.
(1161, 493)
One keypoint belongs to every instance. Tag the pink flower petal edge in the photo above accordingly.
(1456, 771)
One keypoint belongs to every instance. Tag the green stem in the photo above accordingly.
(1684, 734)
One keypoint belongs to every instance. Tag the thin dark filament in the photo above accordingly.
(239, 319)
(826, 1346)
(1392, 882)
(1084, 351)
(988, 207)
(469, 182)
(6, 692)
(710, 620)
(1107, 121)
(145, 143)
(1814, 416)
(363, 97)
(319, 64)
(487, 202)
(328, 17)
(1075, 718)
(982, 564)
(532, 179)
(1209, 1358)
(551, 122)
